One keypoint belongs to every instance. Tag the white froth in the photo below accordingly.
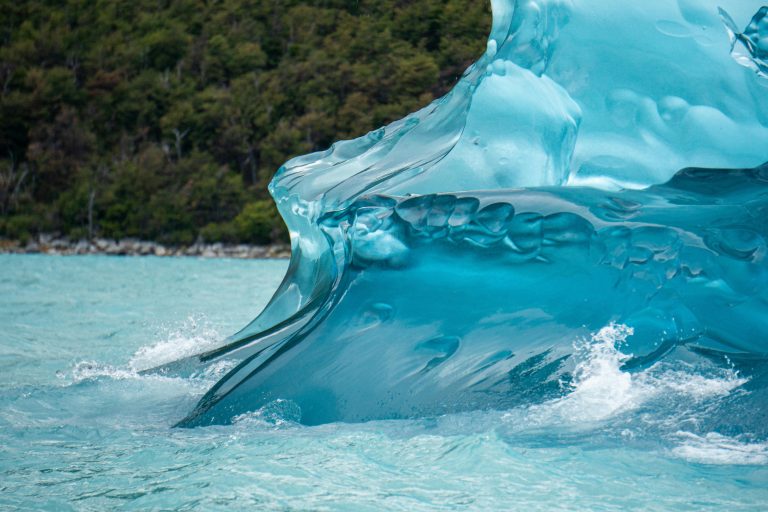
(194, 336)
(714, 448)
(601, 389)
(277, 414)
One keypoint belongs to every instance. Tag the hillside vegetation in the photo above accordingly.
(165, 120)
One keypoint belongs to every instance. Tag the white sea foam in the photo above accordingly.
(601, 389)
(89, 370)
(120, 382)
(714, 448)
(192, 337)
(134, 385)
(277, 414)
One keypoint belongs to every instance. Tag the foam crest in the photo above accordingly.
(714, 448)
(193, 336)
(601, 389)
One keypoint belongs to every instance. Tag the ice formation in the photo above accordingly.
(448, 261)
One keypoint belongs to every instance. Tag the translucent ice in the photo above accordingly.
(448, 261)
(750, 48)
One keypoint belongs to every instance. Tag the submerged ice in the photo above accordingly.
(602, 162)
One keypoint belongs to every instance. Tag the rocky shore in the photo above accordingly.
(47, 244)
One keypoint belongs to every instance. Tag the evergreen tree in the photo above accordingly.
(165, 119)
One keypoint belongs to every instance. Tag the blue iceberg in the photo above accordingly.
(602, 162)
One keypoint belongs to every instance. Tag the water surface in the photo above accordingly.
(82, 429)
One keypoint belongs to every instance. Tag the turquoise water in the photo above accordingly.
(82, 429)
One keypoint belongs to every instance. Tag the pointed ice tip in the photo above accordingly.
(749, 47)
(730, 25)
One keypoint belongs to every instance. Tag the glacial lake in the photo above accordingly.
(81, 428)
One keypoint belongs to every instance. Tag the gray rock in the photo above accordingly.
(102, 244)
(60, 244)
(82, 247)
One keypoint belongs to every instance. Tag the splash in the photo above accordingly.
(444, 263)
(193, 336)
(602, 389)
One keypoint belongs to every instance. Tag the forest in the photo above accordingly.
(164, 120)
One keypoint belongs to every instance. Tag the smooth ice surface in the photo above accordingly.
(602, 163)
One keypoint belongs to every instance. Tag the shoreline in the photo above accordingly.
(48, 244)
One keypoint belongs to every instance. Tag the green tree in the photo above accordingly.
(166, 119)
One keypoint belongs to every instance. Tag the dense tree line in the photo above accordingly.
(165, 119)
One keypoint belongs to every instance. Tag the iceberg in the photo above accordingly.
(601, 162)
